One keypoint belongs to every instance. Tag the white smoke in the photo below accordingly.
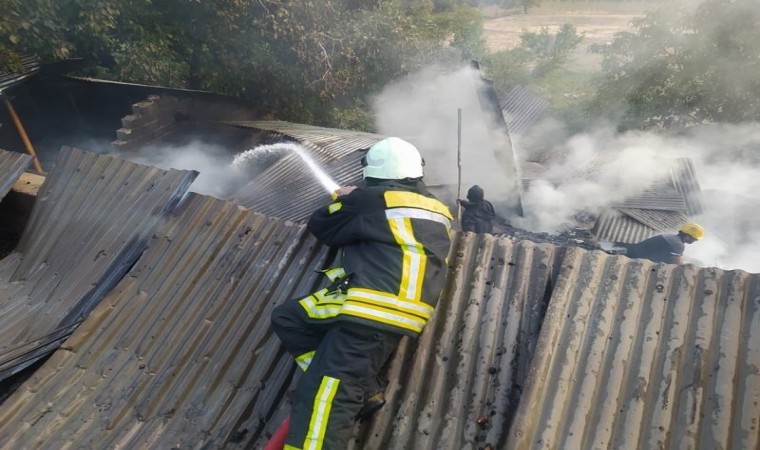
(424, 109)
(586, 172)
(216, 177)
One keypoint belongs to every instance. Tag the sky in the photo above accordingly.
(423, 109)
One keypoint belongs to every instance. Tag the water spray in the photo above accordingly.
(266, 152)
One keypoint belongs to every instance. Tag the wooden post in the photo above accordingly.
(459, 162)
(22, 134)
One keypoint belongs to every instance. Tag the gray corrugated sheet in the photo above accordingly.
(628, 226)
(285, 190)
(92, 218)
(30, 65)
(685, 181)
(656, 197)
(636, 355)
(613, 226)
(181, 355)
(12, 166)
(659, 221)
(522, 109)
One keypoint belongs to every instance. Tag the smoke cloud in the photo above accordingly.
(217, 176)
(423, 109)
(580, 173)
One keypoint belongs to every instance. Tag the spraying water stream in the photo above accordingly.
(272, 150)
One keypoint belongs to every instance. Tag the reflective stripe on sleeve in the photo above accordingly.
(334, 207)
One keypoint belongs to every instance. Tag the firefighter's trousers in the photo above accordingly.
(337, 358)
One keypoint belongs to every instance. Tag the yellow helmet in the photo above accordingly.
(694, 230)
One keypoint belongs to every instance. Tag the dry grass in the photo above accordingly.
(597, 21)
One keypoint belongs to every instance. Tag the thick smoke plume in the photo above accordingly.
(583, 173)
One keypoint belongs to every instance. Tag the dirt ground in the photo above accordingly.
(598, 21)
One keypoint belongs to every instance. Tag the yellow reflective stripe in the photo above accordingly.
(414, 259)
(414, 213)
(395, 319)
(320, 413)
(334, 273)
(304, 360)
(389, 301)
(334, 207)
(397, 199)
(321, 310)
(290, 447)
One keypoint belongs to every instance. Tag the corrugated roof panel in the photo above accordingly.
(91, 220)
(522, 109)
(657, 197)
(12, 166)
(634, 355)
(181, 352)
(459, 384)
(685, 181)
(659, 221)
(613, 226)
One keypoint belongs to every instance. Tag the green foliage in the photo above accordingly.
(297, 58)
(537, 60)
(681, 68)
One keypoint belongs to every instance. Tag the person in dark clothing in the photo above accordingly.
(393, 237)
(667, 248)
(478, 215)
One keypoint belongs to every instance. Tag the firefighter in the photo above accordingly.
(393, 238)
(667, 248)
(479, 215)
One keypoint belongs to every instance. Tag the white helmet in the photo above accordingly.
(392, 159)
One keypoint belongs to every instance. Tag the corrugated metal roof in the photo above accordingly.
(12, 166)
(180, 354)
(614, 226)
(634, 355)
(659, 221)
(91, 220)
(287, 191)
(30, 65)
(521, 109)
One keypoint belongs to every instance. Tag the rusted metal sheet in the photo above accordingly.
(91, 220)
(180, 354)
(458, 385)
(637, 355)
(12, 166)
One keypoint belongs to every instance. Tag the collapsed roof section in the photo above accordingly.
(92, 218)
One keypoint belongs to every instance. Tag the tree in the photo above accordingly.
(303, 60)
(684, 67)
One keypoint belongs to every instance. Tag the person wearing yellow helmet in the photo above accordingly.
(667, 248)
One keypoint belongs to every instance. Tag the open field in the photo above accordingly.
(598, 21)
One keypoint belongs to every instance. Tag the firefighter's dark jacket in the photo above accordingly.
(394, 238)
